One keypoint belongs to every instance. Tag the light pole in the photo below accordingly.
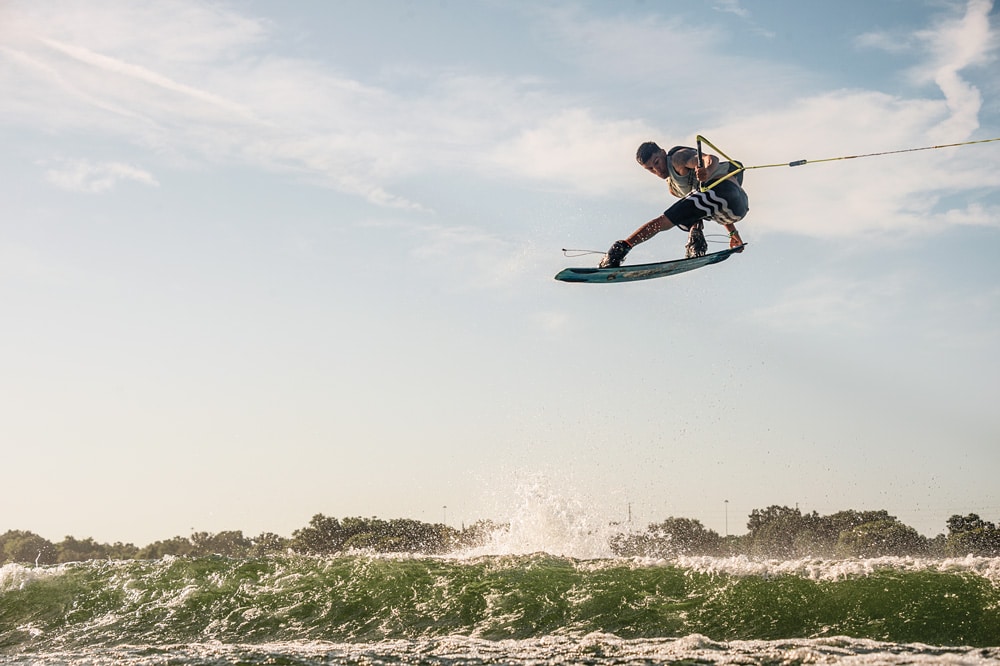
(444, 509)
(727, 518)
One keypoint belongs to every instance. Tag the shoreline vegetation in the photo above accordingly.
(777, 532)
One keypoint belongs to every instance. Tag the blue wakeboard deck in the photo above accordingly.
(643, 271)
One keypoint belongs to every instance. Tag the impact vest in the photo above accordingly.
(685, 184)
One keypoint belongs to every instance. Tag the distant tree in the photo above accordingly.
(329, 535)
(773, 531)
(632, 544)
(367, 541)
(75, 550)
(670, 538)
(776, 539)
(415, 536)
(811, 538)
(268, 543)
(881, 538)
(760, 518)
(685, 536)
(227, 544)
(323, 535)
(979, 542)
(364, 533)
(177, 546)
(780, 531)
(841, 521)
(819, 536)
(936, 546)
(970, 523)
(26, 548)
(971, 535)
(734, 544)
(479, 533)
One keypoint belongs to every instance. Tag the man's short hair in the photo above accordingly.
(646, 151)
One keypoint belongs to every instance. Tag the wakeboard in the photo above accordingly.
(643, 271)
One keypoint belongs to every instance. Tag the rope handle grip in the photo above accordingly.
(741, 168)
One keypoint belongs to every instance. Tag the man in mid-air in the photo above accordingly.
(726, 202)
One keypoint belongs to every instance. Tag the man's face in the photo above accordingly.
(657, 164)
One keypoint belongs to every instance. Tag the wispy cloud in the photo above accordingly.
(732, 7)
(955, 44)
(975, 214)
(247, 104)
(206, 103)
(736, 8)
(575, 150)
(114, 66)
(95, 177)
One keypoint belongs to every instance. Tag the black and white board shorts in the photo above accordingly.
(726, 203)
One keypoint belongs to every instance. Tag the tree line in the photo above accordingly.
(781, 532)
(775, 532)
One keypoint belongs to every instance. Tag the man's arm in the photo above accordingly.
(734, 236)
(687, 159)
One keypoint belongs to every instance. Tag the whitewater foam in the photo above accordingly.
(597, 649)
(16, 576)
(536, 518)
(832, 570)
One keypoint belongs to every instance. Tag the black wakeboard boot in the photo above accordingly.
(617, 252)
(696, 246)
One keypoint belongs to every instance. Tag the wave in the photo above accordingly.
(368, 599)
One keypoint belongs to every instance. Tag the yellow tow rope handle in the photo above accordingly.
(740, 168)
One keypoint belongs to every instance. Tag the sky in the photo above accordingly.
(261, 260)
